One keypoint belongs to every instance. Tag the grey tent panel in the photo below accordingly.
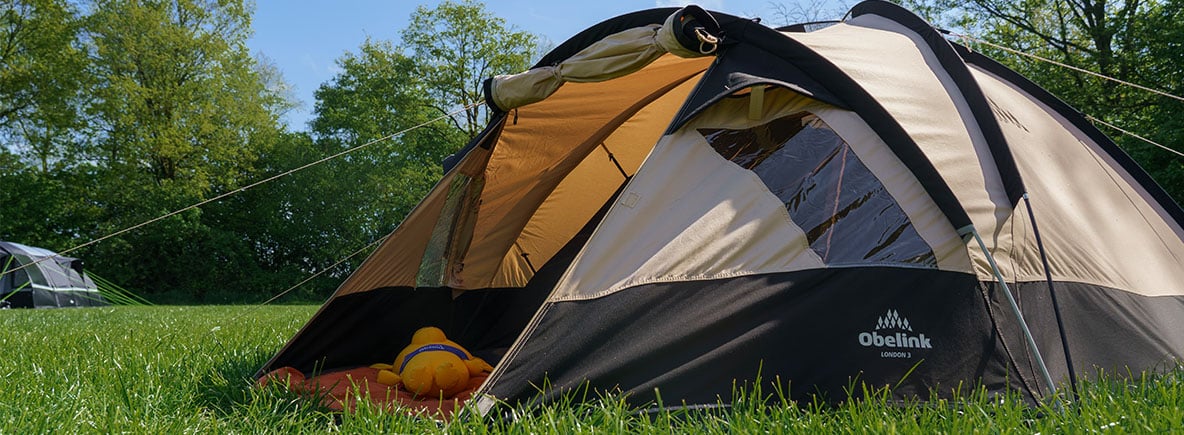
(39, 278)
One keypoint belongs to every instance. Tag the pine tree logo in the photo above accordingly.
(894, 336)
(892, 320)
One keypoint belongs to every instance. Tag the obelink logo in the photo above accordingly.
(894, 334)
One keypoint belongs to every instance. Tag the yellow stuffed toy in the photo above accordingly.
(432, 365)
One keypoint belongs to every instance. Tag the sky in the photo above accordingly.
(304, 38)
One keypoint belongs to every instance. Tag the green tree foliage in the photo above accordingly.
(180, 112)
(40, 207)
(40, 79)
(460, 44)
(1157, 59)
(117, 112)
(179, 98)
(1136, 41)
(345, 204)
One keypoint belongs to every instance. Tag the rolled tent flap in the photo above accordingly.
(617, 55)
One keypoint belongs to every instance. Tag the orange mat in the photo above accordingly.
(341, 390)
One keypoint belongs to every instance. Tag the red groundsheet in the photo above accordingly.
(341, 390)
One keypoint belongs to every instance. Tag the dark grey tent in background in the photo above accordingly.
(814, 204)
(44, 279)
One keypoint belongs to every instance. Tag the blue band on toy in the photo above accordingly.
(433, 348)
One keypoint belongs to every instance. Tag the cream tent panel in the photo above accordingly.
(690, 214)
(931, 225)
(1098, 226)
(903, 74)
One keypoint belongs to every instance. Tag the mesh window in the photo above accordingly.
(847, 215)
(452, 233)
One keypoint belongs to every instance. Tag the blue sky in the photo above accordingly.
(303, 38)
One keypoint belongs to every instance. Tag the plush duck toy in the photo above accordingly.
(432, 365)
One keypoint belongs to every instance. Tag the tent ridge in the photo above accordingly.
(955, 66)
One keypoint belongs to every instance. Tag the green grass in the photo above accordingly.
(188, 370)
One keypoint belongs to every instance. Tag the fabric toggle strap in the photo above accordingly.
(433, 348)
(696, 29)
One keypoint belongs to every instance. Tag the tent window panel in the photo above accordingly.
(56, 274)
(32, 274)
(452, 233)
(847, 214)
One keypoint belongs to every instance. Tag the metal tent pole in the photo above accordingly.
(1056, 309)
(1015, 308)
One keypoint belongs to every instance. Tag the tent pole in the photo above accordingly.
(1015, 308)
(1056, 309)
(614, 160)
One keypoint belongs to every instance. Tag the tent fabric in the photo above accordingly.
(947, 57)
(762, 45)
(953, 141)
(658, 234)
(32, 277)
(792, 320)
(526, 173)
(1081, 199)
(927, 104)
(795, 208)
(614, 56)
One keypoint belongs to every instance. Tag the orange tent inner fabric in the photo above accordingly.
(528, 168)
(341, 391)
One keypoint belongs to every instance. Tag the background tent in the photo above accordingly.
(818, 205)
(48, 281)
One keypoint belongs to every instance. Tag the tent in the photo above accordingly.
(675, 203)
(32, 277)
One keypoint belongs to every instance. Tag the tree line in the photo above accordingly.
(114, 112)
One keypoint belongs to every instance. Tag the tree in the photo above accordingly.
(179, 99)
(1157, 57)
(180, 112)
(358, 198)
(40, 78)
(281, 96)
(458, 46)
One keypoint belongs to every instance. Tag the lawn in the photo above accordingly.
(188, 370)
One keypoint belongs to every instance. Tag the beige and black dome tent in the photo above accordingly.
(667, 204)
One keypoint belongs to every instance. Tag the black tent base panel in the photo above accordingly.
(1108, 331)
(818, 334)
(37, 298)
